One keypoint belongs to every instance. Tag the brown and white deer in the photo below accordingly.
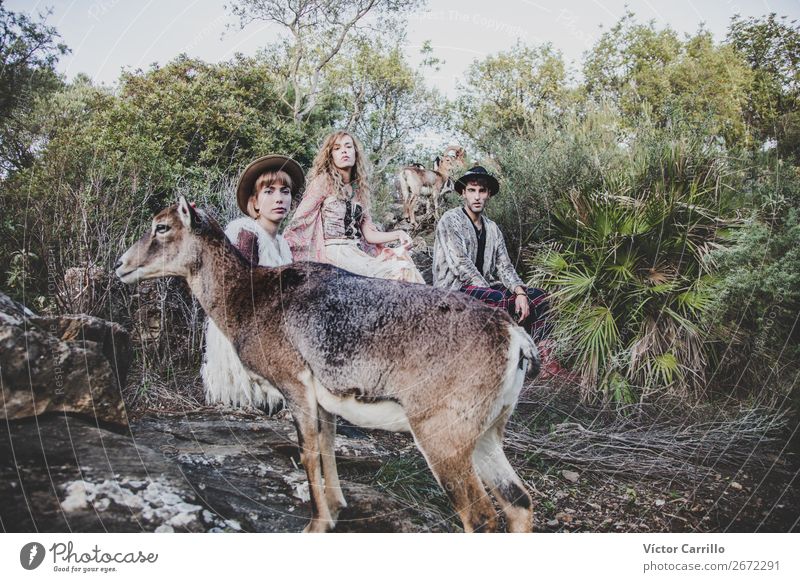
(416, 183)
(382, 354)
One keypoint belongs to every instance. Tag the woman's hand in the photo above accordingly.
(405, 239)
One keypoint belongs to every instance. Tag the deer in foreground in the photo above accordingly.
(381, 354)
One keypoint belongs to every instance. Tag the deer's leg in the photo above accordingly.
(440, 203)
(408, 198)
(499, 476)
(455, 473)
(333, 489)
(303, 406)
(427, 212)
(412, 208)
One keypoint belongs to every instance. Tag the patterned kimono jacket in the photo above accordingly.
(306, 233)
(455, 251)
(325, 229)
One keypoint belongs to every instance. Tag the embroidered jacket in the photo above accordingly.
(455, 250)
(306, 232)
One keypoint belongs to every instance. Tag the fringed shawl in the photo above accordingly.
(304, 233)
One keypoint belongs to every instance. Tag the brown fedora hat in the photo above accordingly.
(269, 163)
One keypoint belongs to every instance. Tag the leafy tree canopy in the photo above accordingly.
(644, 69)
(29, 51)
(771, 47)
(504, 92)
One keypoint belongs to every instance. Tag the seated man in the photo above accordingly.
(469, 254)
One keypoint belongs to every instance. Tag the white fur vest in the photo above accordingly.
(225, 379)
(272, 252)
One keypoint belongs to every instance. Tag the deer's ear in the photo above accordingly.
(188, 214)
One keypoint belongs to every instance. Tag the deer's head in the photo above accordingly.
(170, 248)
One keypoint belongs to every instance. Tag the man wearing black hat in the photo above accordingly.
(469, 254)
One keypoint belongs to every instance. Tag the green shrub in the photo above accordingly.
(757, 300)
(558, 154)
(627, 265)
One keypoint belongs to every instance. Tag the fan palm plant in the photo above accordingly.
(629, 273)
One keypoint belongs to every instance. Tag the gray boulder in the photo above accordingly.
(69, 363)
(199, 472)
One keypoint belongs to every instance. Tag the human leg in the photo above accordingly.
(538, 323)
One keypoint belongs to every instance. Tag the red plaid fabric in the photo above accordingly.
(536, 324)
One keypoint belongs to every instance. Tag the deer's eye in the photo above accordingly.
(161, 228)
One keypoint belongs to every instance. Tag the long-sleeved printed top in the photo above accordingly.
(321, 217)
(455, 251)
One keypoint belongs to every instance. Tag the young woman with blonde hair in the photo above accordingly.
(333, 224)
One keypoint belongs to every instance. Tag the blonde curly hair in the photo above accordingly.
(323, 169)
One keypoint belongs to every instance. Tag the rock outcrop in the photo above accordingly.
(69, 363)
(203, 471)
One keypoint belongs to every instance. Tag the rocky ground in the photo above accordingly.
(225, 470)
(75, 455)
(200, 471)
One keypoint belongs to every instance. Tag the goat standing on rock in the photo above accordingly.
(378, 353)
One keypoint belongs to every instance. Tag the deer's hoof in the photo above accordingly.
(319, 526)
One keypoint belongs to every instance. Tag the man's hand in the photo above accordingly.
(521, 307)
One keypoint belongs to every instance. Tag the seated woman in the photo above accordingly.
(332, 224)
(264, 194)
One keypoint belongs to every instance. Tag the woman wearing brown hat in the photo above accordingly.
(332, 224)
(264, 194)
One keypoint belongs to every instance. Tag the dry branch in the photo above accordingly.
(685, 452)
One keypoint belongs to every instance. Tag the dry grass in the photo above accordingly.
(673, 443)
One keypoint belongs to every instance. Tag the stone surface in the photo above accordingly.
(571, 476)
(61, 473)
(203, 471)
(70, 363)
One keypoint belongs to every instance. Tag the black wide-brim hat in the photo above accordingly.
(269, 163)
(478, 172)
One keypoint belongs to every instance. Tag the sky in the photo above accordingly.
(106, 36)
